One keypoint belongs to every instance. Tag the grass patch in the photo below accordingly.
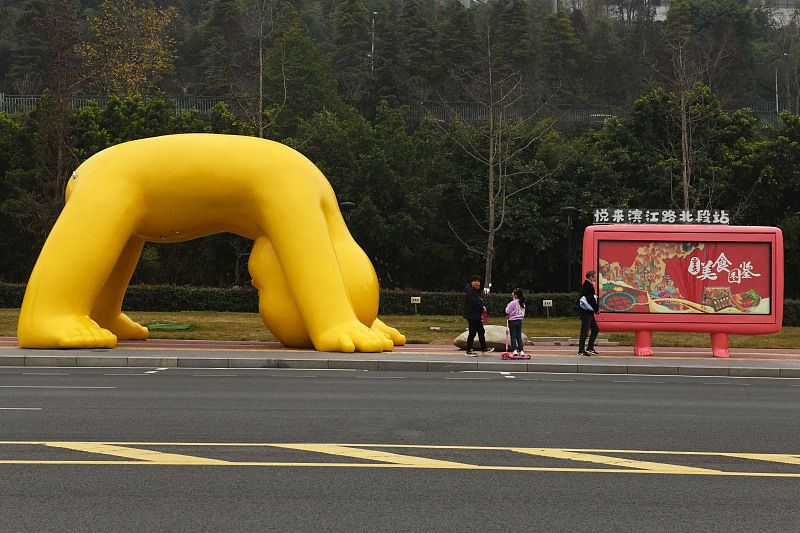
(209, 325)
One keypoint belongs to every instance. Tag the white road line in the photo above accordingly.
(20, 408)
(48, 387)
(45, 374)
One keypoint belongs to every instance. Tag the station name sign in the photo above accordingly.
(629, 215)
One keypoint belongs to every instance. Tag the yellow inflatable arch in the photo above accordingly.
(316, 286)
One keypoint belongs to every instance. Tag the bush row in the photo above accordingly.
(169, 298)
(452, 303)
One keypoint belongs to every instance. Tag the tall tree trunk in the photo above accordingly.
(686, 168)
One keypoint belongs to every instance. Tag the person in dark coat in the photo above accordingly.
(587, 316)
(474, 307)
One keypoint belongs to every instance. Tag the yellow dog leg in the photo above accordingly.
(309, 263)
(359, 277)
(76, 260)
(279, 310)
(275, 301)
(107, 311)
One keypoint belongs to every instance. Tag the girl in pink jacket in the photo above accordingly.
(515, 311)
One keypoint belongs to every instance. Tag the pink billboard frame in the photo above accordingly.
(718, 325)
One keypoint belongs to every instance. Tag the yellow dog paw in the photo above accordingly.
(76, 331)
(397, 338)
(125, 328)
(351, 336)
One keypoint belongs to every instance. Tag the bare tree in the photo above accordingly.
(693, 58)
(498, 145)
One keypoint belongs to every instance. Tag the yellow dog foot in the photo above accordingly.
(397, 338)
(125, 328)
(352, 336)
(66, 332)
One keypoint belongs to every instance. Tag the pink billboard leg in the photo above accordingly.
(642, 343)
(719, 344)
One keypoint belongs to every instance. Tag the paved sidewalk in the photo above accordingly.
(412, 357)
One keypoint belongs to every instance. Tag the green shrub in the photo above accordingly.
(11, 295)
(452, 303)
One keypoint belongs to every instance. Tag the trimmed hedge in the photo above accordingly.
(170, 298)
(452, 303)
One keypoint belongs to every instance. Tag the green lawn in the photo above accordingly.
(417, 328)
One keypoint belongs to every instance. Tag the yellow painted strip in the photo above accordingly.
(373, 455)
(614, 461)
(773, 457)
(389, 465)
(133, 453)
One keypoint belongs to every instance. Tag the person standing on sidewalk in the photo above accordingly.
(474, 307)
(515, 312)
(589, 294)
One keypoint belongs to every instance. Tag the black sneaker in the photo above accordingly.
(592, 351)
(470, 353)
(584, 354)
(487, 350)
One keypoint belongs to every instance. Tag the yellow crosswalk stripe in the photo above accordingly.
(374, 455)
(557, 453)
(773, 457)
(135, 453)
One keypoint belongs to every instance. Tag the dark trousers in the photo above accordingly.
(515, 335)
(588, 322)
(476, 326)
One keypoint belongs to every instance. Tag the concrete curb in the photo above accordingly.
(669, 367)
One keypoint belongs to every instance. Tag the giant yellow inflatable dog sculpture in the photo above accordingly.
(316, 286)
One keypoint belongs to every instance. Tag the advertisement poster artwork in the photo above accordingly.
(684, 277)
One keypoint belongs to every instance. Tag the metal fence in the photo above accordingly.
(476, 113)
(764, 111)
(12, 103)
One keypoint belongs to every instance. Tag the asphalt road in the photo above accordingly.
(126, 449)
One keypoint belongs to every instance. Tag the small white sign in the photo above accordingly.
(416, 299)
(547, 303)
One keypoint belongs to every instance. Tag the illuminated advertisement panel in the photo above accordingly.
(680, 277)
(701, 278)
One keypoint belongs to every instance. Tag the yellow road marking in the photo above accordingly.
(373, 455)
(134, 453)
(773, 457)
(615, 461)
(619, 465)
(389, 465)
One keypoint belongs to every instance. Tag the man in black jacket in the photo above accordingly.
(474, 307)
(587, 316)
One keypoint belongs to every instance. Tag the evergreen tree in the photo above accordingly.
(604, 64)
(561, 58)
(457, 50)
(30, 46)
(390, 57)
(510, 36)
(227, 69)
(351, 59)
(418, 40)
(298, 80)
